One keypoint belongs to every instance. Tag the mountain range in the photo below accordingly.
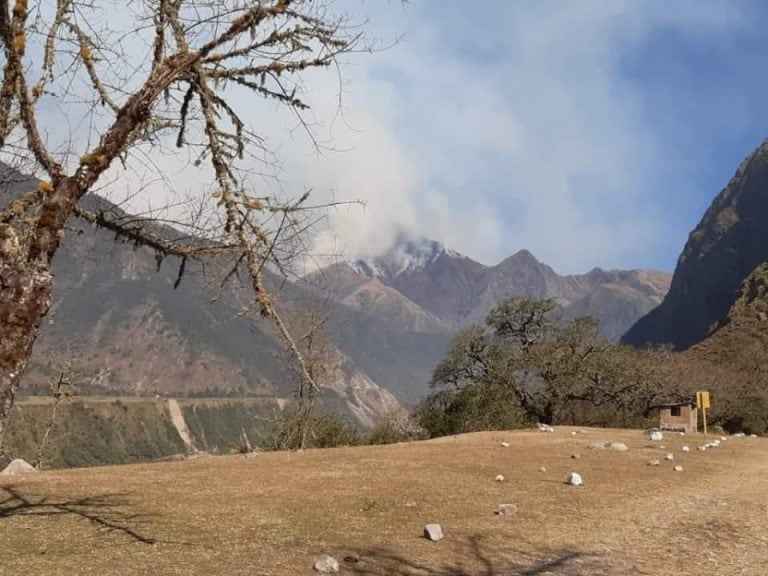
(391, 317)
(430, 287)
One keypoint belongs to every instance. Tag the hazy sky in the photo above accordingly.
(593, 133)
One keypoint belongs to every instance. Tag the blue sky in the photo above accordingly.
(590, 132)
(594, 133)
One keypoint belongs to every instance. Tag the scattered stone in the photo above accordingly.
(669, 457)
(723, 438)
(352, 558)
(597, 446)
(433, 532)
(575, 456)
(678, 468)
(544, 427)
(17, 468)
(653, 463)
(657, 436)
(499, 478)
(686, 449)
(574, 479)
(702, 448)
(753, 435)
(573, 433)
(505, 444)
(681, 433)
(739, 435)
(542, 469)
(326, 565)
(506, 510)
(410, 504)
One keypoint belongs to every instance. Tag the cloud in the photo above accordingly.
(491, 126)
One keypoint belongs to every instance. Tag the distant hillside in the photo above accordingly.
(119, 317)
(436, 288)
(728, 244)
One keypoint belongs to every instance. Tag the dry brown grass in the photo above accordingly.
(274, 513)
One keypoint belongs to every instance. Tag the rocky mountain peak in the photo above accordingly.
(407, 254)
(727, 245)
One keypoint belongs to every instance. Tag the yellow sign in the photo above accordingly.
(702, 402)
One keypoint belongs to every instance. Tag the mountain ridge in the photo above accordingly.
(731, 239)
(456, 290)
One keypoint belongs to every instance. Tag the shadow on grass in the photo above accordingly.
(478, 561)
(105, 510)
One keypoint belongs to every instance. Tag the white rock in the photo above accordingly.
(669, 457)
(542, 469)
(505, 444)
(681, 433)
(506, 510)
(753, 435)
(574, 479)
(653, 463)
(499, 478)
(686, 449)
(433, 532)
(575, 456)
(18, 467)
(739, 435)
(723, 438)
(678, 468)
(657, 436)
(573, 433)
(702, 448)
(544, 427)
(326, 565)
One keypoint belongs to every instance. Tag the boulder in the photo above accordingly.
(326, 565)
(653, 463)
(544, 427)
(686, 449)
(433, 532)
(657, 436)
(542, 469)
(678, 468)
(506, 510)
(499, 478)
(669, 457)
(575, 456)
(17, 468)
(574, 479)
(505, 444)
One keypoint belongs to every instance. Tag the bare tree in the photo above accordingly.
(169, 88)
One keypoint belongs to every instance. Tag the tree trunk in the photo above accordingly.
(25, 296)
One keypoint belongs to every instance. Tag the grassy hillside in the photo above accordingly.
(94, 431)
(276, 513)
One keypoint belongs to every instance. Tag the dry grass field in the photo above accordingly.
(276, 512)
